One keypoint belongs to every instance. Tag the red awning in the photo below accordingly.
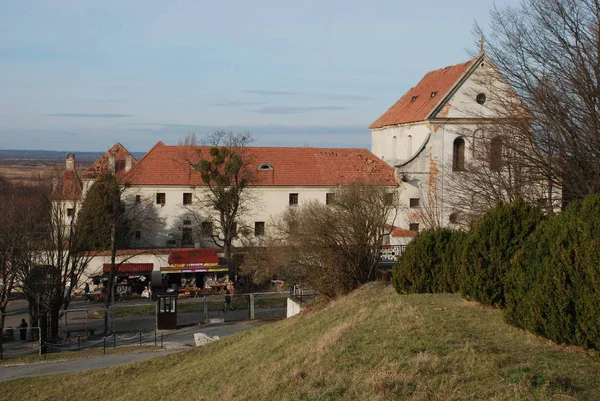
(193, 257)
(130, 268)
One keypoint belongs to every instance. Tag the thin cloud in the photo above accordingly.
(296, 110)
(70, 133)
(307, 94)
(85, 115)
(273, 93)
(234, 103)
(105, 100)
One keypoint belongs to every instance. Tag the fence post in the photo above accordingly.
(251, 308)
(78, 343)
(114, 339)
(205, 301)
(161, 340)
(104, 345)
(154, 338)
(140, 338)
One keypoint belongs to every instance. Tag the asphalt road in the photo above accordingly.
(176, 340)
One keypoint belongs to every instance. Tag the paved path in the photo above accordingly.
(175, 340)
(75, 365)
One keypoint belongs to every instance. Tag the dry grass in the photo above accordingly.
(83, 354)
(370, 345)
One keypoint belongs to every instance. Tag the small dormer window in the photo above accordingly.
(434, 94)
(265, 166)
(414, 98)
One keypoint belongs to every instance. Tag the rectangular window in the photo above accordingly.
(413, 227)
(161, 198)
(329, 198)
(207, 228)
(388, 200)
(187, 198)
(415, 202)
(187, 222)
(187, 237)
(138, 199)
(138, 234)
(70, 212)
(259, 228)
(293, 199)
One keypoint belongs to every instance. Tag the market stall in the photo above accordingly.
(193, 272)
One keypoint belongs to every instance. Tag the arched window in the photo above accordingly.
(409, 147)
(458, 154)
(394, 146)
(496, 153)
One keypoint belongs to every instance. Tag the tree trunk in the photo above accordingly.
(111, 274)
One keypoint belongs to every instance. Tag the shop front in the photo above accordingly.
(192, 272)
(130, 278)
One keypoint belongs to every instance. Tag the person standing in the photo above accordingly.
(86, 292)
(23, 329)
(227, 300)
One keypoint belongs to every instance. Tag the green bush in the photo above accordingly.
(488, 250)
(429, 263)
(553, 286)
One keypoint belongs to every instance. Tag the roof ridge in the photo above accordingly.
(134, 168)
(416, 104)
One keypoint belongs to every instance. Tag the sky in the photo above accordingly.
(81, 75)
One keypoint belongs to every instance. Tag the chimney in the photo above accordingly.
(127, 163)
(111, 164)
(70, 161)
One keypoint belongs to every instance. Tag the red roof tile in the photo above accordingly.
(400, 232)
(407, 110)
(171, 165)
(68, 187)
(101, 165)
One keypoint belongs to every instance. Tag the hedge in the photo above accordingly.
(553, 286)
(429, 263)
(488, 250)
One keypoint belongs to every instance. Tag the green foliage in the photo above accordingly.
(430, 263)
(553, 286)
(101, 209)
(489, 249)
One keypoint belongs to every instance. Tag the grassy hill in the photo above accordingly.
(370, 345)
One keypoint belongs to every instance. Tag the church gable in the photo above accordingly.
(476, 95)
(419, 102)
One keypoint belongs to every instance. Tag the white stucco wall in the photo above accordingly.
(265, 205)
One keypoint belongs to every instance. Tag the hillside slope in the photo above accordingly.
(370, 345)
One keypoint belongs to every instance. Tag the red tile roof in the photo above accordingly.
(101, 165)
(68, 187)
(407, 110)
(400, 232)
(171, 165)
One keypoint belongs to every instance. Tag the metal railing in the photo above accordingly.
(390, 253)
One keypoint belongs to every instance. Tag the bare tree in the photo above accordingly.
(333, 248)
(548, 52)
(225, 169)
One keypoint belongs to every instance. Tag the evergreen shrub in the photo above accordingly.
(553, 286)
(430, 263)
(488, 250)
